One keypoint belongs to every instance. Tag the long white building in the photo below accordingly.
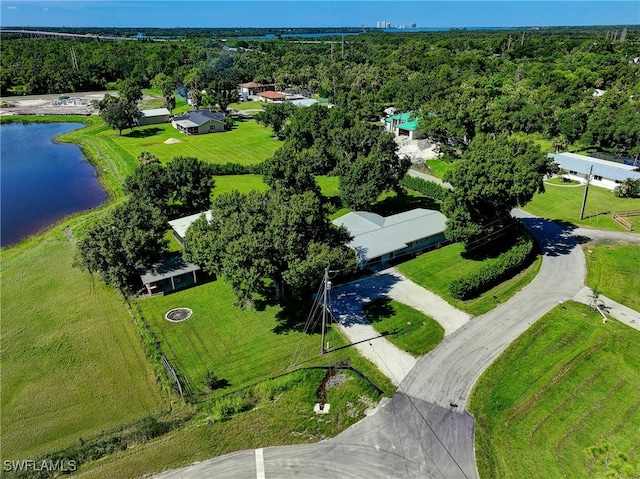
(606, 174)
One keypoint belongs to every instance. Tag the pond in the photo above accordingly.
(41, 182)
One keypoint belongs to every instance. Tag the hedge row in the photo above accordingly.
(507, 264)
(222, 169)
(427, 188)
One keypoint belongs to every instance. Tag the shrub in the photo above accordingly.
(507, 264)
(222, 169)
(427, 188)
(228, 406)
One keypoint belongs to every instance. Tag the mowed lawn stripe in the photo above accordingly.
(248, 143)
(568, 383)
(72, 361)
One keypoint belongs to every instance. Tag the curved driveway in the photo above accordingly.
(424, 431)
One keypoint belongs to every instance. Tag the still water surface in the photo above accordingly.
(41, 181)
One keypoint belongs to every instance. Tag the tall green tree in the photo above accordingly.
(129, 90)
(192, 181)
(290, 172)
(263, 242)
(149, 183)
(120, 114)
(130, 237)
(167, 86)
(275, 115)
(493, 177)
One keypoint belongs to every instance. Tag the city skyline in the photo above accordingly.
(317, 14)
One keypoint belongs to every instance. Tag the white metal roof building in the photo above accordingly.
(181, 225)
(606, 174)
(379, 239)
(154, 116)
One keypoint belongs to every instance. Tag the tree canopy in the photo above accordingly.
(129, 237)
(493, 177)
(267, 241)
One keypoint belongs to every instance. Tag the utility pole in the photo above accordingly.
(325, 300)
(586, 190)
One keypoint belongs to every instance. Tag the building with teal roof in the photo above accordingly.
(404, 124)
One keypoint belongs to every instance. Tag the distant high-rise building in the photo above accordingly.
(387, 25)
(378, 24)
(413, 25)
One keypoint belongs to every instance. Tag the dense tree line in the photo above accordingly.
(464, 82)
(132, 234)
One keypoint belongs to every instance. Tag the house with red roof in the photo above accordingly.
(253, 88)
(271, 96)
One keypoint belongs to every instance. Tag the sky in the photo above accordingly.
(314, 13)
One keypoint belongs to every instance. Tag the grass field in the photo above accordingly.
(436, 269)
(614, 271)
(242, 183)
(438, 167)
(248, 143)
(568, 383)
(564, 203)
(405, 327)
(72, 361)
(242, 346)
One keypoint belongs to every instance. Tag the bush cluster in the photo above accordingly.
(427, 188)
(222, 169)
(508, 263)
(90, 450)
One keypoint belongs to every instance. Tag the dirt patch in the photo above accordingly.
(418, 150)
(171, 141)
(54, 104)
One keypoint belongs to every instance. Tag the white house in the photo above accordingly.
(198, 122)
(606, 174)
(154, 116)
(378, 239)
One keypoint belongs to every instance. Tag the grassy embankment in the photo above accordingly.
(564, 203)
(436, 269)
(613, 270)
(72, 362)
(568, 383)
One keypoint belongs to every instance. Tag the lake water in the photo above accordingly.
(41, 181)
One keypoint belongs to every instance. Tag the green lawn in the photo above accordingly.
(248, 143)
(564, 203)
(438, 167)
(436, 269)
(405, 327)
(242, 346)
(568, 383)
(614, 271)
(72, 361)
(248, 105)
(242, 183)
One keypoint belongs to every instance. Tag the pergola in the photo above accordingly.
(169, 275)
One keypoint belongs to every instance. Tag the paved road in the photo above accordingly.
(424, 431)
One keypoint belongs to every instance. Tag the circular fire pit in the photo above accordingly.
(177, 315)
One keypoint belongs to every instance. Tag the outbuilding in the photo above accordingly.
(378, 239)
(169, 275)
(606, 174)
(271, 96)
(253, 88)
(181, 225)
(154, 116)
